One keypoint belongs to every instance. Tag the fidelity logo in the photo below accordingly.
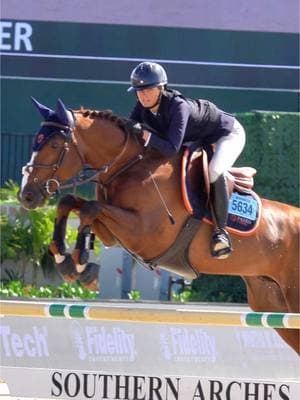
(103, 343)
(182, 344)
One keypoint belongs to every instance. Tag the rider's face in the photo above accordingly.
(149, 97)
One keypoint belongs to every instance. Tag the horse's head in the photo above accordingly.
(55, 157)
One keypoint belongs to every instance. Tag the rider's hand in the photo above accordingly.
(135, 128)
(146, 136)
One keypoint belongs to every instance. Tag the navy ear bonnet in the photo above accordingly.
(63, 123)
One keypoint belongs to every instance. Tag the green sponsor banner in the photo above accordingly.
(155, 42)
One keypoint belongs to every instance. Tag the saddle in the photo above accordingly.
(244, 205)
(243, 215)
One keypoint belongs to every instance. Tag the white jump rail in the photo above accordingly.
(130, 313)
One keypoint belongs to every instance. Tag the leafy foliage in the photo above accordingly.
(25, 235)
(182, 297)
(9, 192)
(229, 289)
(134, 295)
(211, 288)
(16, 288)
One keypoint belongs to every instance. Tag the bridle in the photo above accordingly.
(67, 133)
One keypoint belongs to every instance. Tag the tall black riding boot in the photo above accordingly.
(220, 242)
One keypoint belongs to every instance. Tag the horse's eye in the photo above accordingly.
(55, 145)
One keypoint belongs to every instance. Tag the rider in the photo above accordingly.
(177, 120)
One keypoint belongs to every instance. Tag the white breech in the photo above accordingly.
(227, 150)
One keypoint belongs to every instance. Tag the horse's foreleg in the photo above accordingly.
(63, 261)
(87, 272)
(120, 224)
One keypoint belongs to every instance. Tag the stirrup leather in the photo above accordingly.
(221, 244)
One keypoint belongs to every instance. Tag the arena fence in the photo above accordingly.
(145, 350)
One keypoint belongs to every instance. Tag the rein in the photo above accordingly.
(107, 167)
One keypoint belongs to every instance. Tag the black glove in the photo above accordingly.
(137, 128)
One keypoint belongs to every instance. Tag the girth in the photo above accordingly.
(176, 256)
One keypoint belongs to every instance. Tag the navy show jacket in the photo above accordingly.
(180, 120)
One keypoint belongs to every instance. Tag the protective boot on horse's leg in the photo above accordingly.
(220, 242)
(63, 260)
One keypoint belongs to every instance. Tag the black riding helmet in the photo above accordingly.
(147, 75)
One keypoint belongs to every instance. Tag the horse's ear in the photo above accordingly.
(65, 116)
(44, 111)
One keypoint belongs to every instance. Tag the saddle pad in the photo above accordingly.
(244, 213)
(244, 209)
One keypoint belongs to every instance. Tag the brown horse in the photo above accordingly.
(136, 193)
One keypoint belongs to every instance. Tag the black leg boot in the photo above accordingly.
(220, 242)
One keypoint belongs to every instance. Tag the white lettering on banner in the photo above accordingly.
(112, 343)
(15, 36)
(33, 344)
(258, 339)
(81, 385)
(182, 344)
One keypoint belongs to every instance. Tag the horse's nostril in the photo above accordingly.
(28, 197)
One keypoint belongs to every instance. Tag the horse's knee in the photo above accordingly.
(89, 211)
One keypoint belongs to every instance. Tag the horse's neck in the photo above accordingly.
(103, 142)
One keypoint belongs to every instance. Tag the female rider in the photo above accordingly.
(177, 120)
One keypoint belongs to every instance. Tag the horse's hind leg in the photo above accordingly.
(63, 261)
(289, 279)
(289, 287)
(264, 294)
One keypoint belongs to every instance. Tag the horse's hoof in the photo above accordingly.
(67, 269)
(83, 257)
(94, 286)
(89, 278)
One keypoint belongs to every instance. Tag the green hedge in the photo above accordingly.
(273, 149)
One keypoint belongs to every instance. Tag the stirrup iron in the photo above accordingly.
(221, 244)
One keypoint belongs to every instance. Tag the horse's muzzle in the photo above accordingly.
(32, 196)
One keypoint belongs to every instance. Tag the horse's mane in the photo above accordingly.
(108, 115)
